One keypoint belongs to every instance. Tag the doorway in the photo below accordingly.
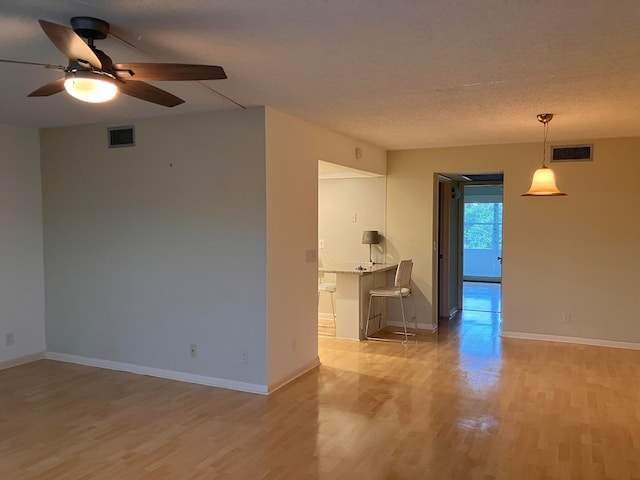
(468, 243)
(482, 246)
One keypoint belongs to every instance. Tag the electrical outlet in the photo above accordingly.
(566, 318)
(11, 338)
(193, 348)
(245, 357)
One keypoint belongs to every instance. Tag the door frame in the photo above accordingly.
(461, 227)
(448, 178)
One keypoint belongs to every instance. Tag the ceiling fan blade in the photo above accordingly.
(70, 43)
(168, 71)
(149, 93)
(50, 88)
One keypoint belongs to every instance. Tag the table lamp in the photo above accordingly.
(370, 237)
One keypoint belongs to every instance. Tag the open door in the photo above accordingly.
(444, 221)
(447, 279)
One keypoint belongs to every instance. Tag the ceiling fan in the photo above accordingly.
(92, 77)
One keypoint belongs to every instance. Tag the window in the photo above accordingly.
(483, 226)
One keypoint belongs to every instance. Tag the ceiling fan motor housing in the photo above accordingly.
(90, 28)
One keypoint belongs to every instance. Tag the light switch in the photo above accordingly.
(321, 243)
(354, 217)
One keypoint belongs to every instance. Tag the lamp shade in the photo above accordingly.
(370, 237)
(543, 184)
(90, 87)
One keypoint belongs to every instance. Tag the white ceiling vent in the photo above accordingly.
(122, 137)
(572, 153)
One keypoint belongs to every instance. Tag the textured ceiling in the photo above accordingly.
(400, 74)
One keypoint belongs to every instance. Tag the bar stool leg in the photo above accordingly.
(333, 309)
(366, 330)
(415, 315)
(404, 321)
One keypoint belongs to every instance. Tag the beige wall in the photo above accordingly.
(21, 258)
(578, 254)
(293, 148)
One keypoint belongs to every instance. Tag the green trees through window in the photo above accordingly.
(483, 226)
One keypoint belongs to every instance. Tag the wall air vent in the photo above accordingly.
(572, 153)
(122, 137)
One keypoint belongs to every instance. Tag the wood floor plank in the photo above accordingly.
(458, 404)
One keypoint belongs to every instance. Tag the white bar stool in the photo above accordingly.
(331, 288)
(400, 290)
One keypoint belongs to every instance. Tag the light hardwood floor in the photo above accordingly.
(460, 404)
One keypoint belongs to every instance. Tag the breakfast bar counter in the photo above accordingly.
(353, 282)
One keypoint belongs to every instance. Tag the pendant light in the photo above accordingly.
(544, 181)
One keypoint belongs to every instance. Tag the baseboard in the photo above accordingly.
(22, 360)
(578, 340)
(345, 339)
(421, 326)
(160, 373)
(298, 373)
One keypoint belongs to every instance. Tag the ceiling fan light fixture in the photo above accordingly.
(90, 87)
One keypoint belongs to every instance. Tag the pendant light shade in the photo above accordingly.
(543, 184)
(544, 180)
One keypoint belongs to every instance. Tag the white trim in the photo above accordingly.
(421, 326)
(579, 340)
(159, 372)
(298, 373)
(343, 338)
(22, 360)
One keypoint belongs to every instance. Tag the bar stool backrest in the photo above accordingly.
(403, 274)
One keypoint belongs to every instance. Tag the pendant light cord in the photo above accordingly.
(544, 145)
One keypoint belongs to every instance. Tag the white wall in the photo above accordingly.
(199, 234)
(21, 264)
(152, 248)
(578, 254)
(338, 201)
(293, 150)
